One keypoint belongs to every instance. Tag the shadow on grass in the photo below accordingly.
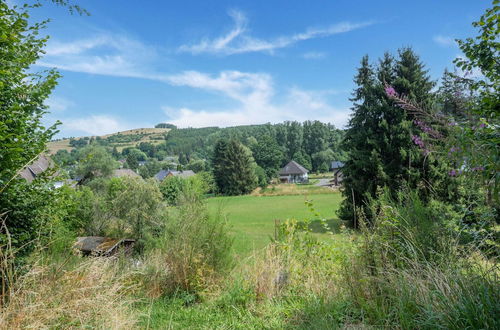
(316, 226)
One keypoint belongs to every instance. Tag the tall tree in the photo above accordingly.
(363, 169)
(315, 138)
(233, 168)
(22, 92)
(294, 138)
(95, 161)
(385, 148)
(268, 155)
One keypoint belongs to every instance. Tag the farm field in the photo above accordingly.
(151, 135)
(252, 218)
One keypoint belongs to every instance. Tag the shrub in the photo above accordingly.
(171, 189)
(194, 252)
(411, 272)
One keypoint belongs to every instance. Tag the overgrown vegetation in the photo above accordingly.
(421, 195)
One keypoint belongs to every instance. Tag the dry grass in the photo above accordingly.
(91, 295)
(300, 264)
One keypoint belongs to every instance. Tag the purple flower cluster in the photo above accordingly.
(390, 91)
(419, 142)
(423, 126)
(455, 172)
(477, 169)
(452, 150)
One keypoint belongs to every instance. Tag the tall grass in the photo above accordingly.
(411, 271)
(91, 295)
(193, 253)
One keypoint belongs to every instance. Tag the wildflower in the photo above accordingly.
(452, 173)
(390, 91)
(418, 141)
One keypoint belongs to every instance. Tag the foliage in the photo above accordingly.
(165, 125)
(137, 209)
(411, 272)
(268, 156)
(150, 168)
(233, 168)
(171, 188)
(385, 149)
(94, 161)
(194, 251)
(22, 92)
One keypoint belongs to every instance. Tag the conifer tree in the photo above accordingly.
(233, 168)
(385, 147)
(363, 167)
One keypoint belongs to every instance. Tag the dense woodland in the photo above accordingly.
(312, 143)
(414, 245)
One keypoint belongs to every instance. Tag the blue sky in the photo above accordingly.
(223, 63)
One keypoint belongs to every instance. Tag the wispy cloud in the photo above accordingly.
(314, 55)
(95, 125)
(238, 40)
(253, 92)
(256, 102)
(104, 54)
(58, 104)
(444, 41)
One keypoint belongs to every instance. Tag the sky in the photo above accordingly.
(134, 64)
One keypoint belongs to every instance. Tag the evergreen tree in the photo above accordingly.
(384, 145)
(362, 171)
(454, 95)
(233, 168)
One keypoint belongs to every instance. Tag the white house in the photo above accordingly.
(293, 172)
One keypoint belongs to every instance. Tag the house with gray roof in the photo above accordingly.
(293, 172)
(338, 176)
(124, 172)
(160, 176)
(35, 169)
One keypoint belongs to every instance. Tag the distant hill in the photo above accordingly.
(120, 140)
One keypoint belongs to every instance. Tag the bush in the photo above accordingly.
(193, 253)
(412, 273)
(171, 188)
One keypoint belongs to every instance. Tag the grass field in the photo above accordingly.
(151, 135)
(252, 218)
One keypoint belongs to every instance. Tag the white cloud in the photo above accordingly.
(104, 54)
(444, 41)
(238, 40)
(255, 95)
(314, 55)
(95, 125)
(58, 104)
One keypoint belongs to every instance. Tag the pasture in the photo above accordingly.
(252, 218)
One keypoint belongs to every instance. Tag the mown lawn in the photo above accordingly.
(252, 218)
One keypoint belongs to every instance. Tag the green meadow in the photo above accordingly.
(252, 218)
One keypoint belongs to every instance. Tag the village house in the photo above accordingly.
(338, 176)
(160, 176)
(35, 169)
(293, 172)
(124, 172)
